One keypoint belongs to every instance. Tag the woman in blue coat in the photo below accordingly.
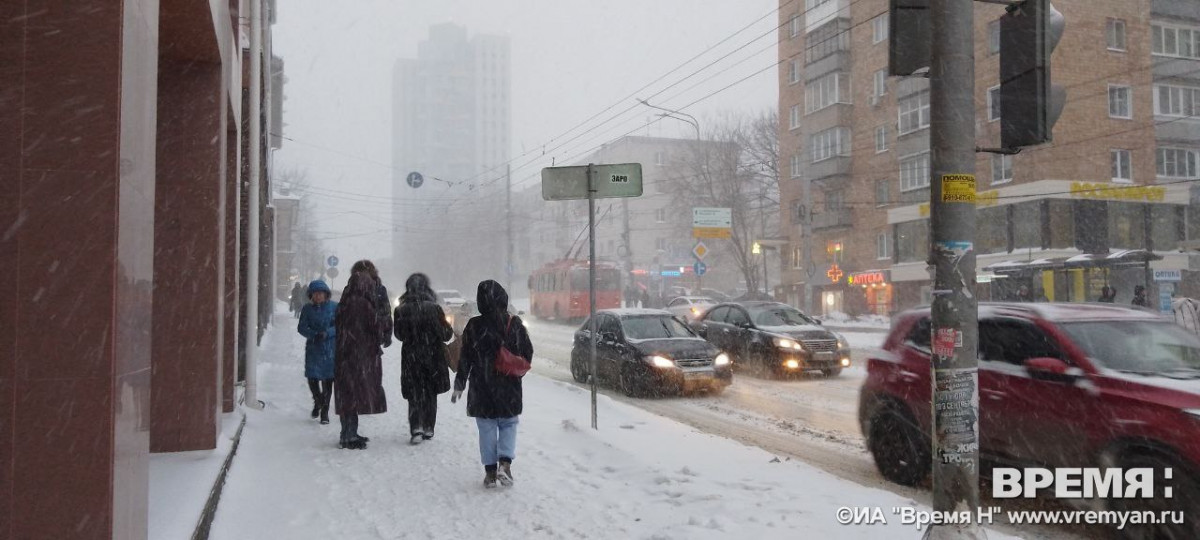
(316, 325)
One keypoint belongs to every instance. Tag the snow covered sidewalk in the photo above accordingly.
(639, 476)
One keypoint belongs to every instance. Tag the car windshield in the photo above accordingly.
(449, 295)
(655, 327)
(779, 316)
(1142, 347)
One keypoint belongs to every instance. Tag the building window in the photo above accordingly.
(1122, 170)
(1175, 41)
(914, 172)
(661, 243)
(1002, 169)
(1118, 102)
(1116, 34)
(827, 39)
(797, 211)
(1176, 100)
(795, 25)
(796, 166)
(830, 143)
(660, 215)
(883, 246)
(835, 200)
(794, 117)
(881, 139)
(1177, 162)
(827, 90)
(797, 255)
(883, 195)
(809, 5)
(993, 37)
(993, 103)
(880, 88)
(794, 71)
(914, 113)
(660, 158)
(879, 29)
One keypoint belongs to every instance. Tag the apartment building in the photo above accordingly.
(1109, 200)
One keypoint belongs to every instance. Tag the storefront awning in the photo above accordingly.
(1116, 258)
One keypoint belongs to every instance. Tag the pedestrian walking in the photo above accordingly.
(382, 302)
(1108, 294)
(358, 370)
(318, 328)
(1139, 296)
(296, 300)
(422, 329)
(494, 399)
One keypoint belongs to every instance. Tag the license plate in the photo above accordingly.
(697, 375)
(824, 356)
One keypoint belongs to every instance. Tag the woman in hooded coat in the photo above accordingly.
(358, 378)
(317, 326)
(494, 399)
(382, 303)
(423, 331)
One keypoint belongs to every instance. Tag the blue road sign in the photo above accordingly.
(333, 261)
(700, 268)
(415, 179)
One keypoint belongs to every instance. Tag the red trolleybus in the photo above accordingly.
(559, 290)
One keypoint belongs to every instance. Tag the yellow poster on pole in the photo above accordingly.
(958, 188)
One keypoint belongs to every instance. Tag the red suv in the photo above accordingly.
(1059, 385)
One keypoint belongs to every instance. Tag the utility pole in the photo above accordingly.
(508, 218)
(808, 266)
(952, 254)
(252, 231)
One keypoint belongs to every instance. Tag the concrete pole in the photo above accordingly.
(809, 265)
(508, 218)
(592, 328)
(252, 232)
(955, 310)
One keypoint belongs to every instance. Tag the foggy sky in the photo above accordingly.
(570, 60)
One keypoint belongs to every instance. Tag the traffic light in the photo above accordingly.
(1029, 103)
(909, 37)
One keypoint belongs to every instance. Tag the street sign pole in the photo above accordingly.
(954, 311)
(591, 185)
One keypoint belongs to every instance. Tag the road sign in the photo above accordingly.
(700, 268)
(700, 250)
(711, 232)
(712, 217)
(415, 179)
(611, 181)
(333, 261)
(332, 273)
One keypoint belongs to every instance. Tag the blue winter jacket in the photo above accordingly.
(315, 319)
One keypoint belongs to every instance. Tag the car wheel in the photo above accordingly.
(578, 371)
(716, 390)
(832, 372)
(628, 382)
(902, 453)
(1186, 498)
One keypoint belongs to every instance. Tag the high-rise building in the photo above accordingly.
(1103, 204)
(452, 124)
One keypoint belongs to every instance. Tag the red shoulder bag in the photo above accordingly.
(508, 362)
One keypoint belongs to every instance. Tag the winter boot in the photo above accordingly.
(427, 434)
(416, 438)
(504, 473)
(324, 415)
(316, 407)
(489, 480)
(355, 444)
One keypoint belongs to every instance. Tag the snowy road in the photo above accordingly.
(812, 418)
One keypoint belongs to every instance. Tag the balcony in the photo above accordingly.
(832, 219)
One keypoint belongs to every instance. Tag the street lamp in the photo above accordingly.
(678, 115)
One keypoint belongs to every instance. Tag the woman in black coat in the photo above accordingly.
(494, 399)
(358, 364)
(383, 304)
(423, 331)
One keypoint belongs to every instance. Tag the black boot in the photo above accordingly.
(316, 408)
(326, 395)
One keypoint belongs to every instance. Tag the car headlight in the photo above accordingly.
(721, 360)
(842, 343)
(450, 319)
(660, 361)
(785, 343)
(845, 362)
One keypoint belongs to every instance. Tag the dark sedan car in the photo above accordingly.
(774, 337)
(649, 351)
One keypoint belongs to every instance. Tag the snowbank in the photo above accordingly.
(639, 476)
(839, 319)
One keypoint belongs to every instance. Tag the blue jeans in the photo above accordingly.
(497, 439)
